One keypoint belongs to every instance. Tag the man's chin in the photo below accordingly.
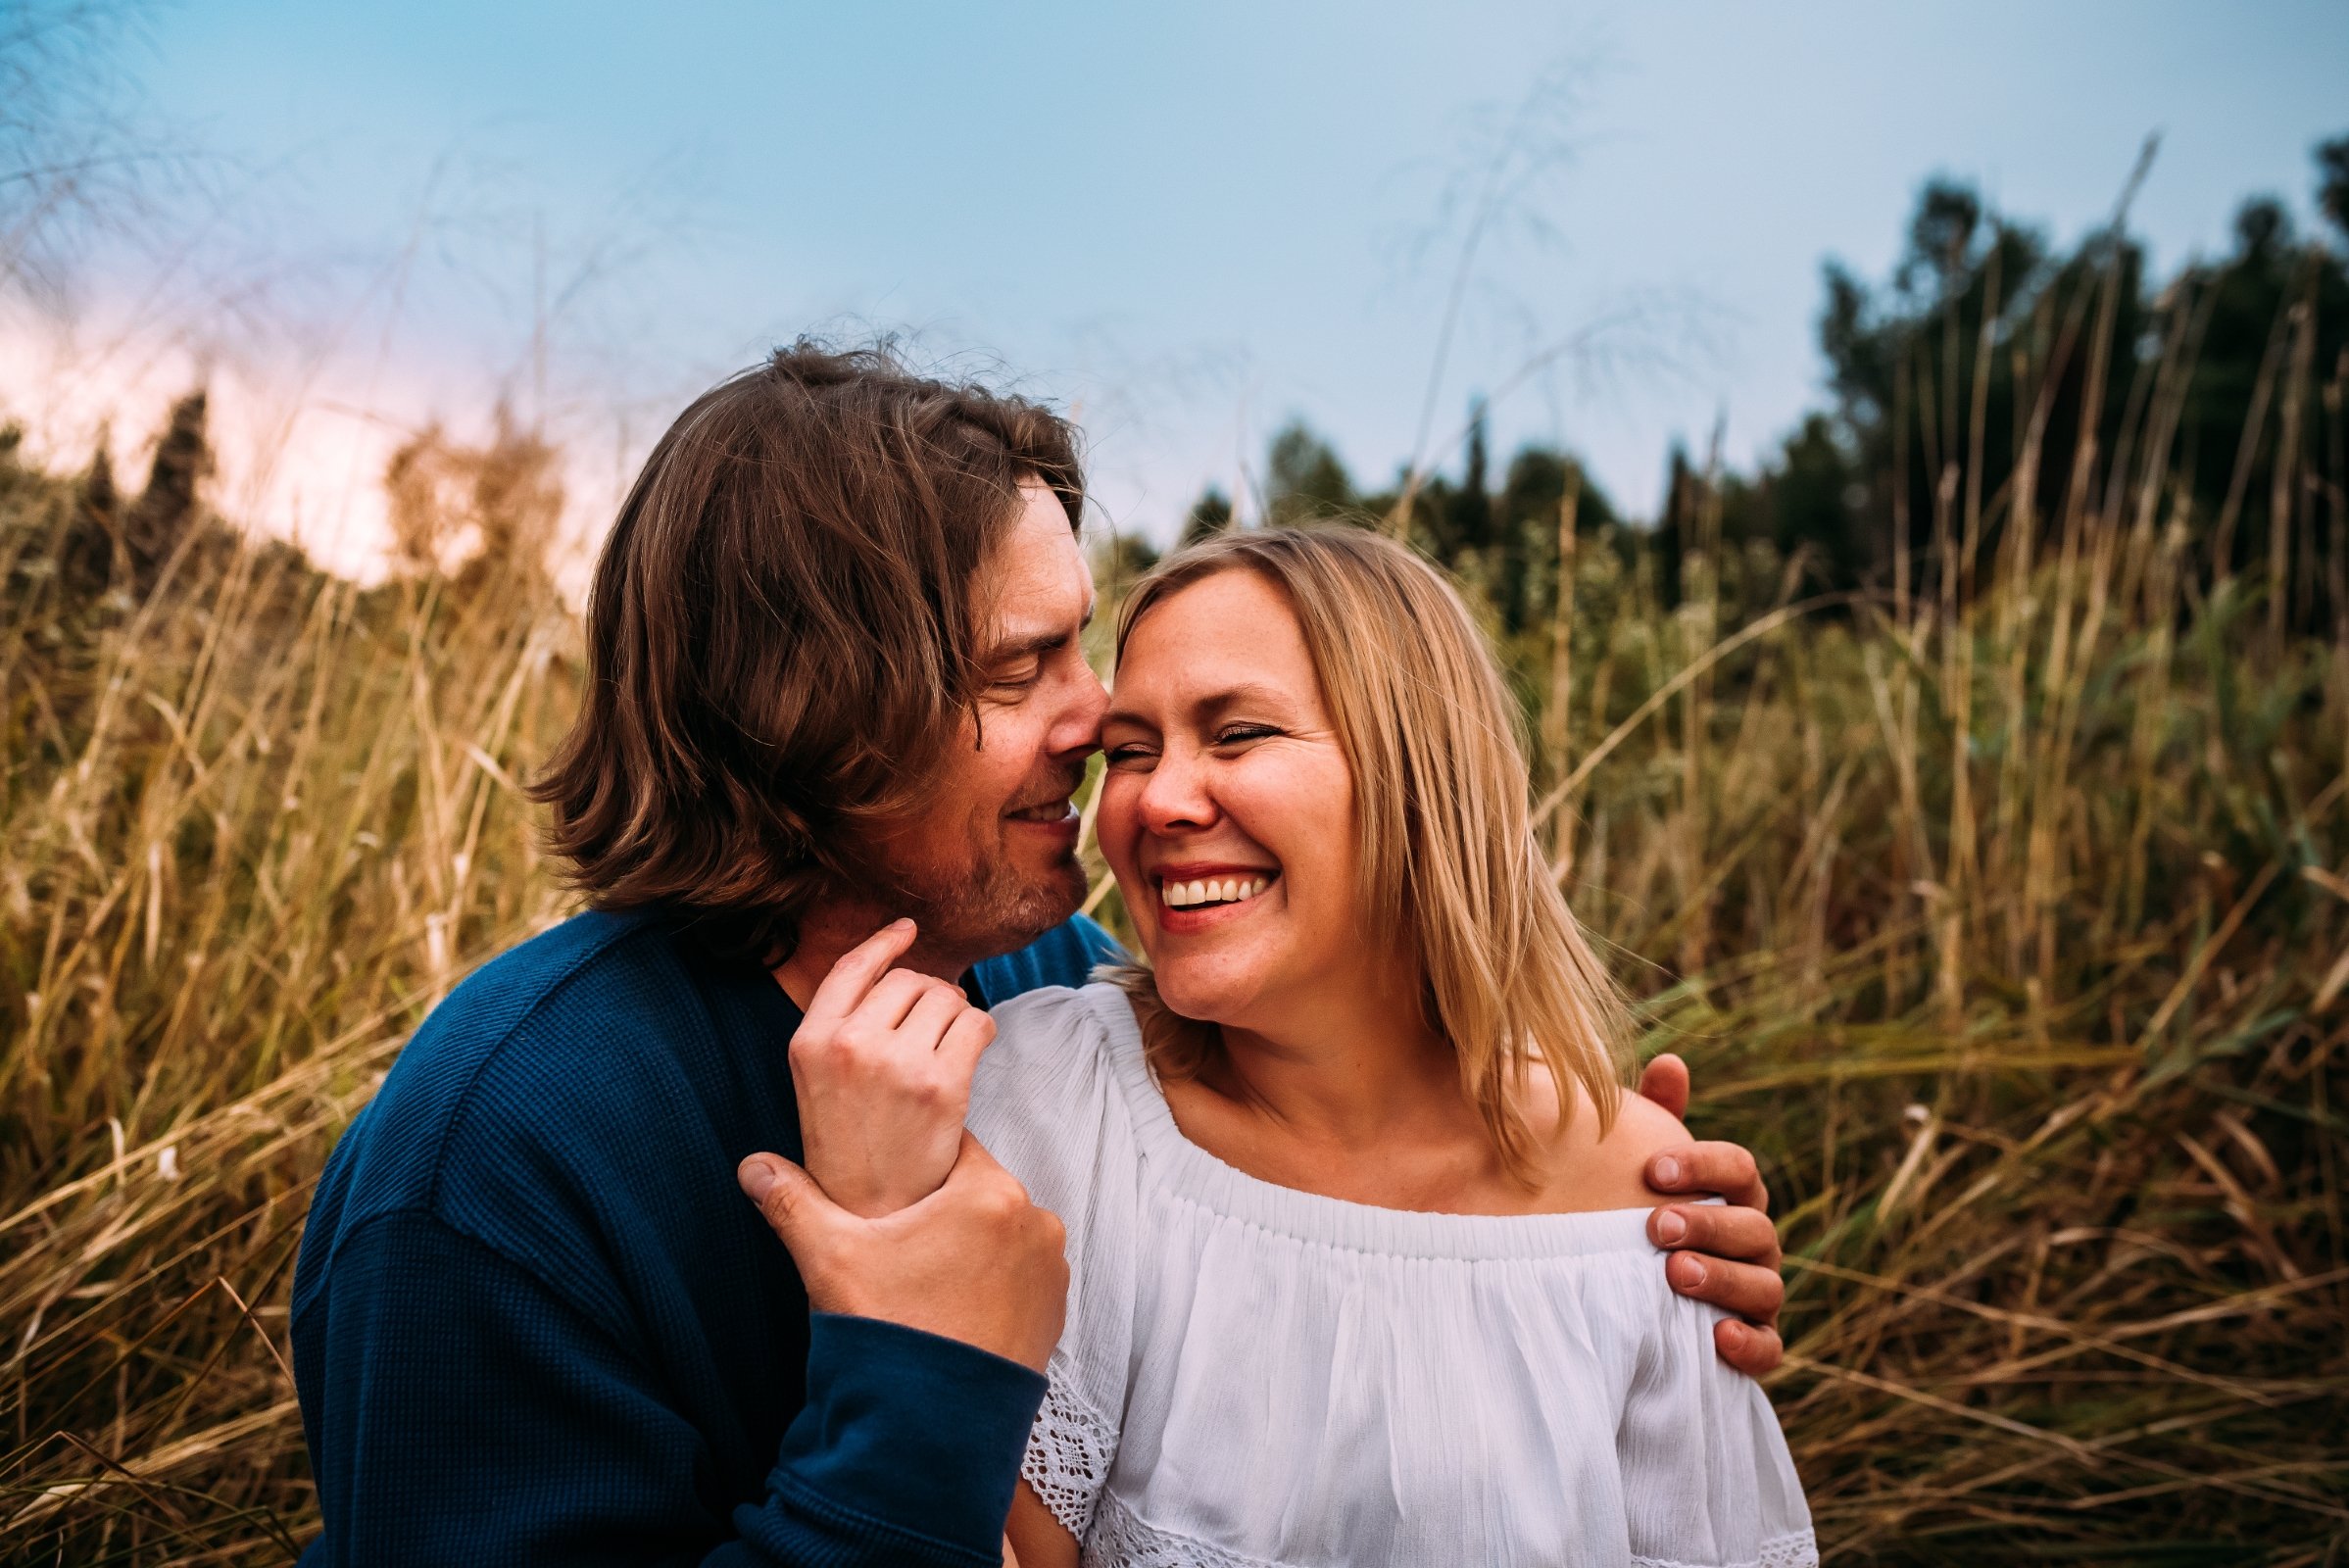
(1049, 900)
(1004, 913)
(1054, 899)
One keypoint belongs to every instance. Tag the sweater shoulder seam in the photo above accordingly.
(479, 1243)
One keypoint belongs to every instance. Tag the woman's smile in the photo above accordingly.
(1197, 895)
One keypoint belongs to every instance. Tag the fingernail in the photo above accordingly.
(756, 1177)
(1670, 1227)
(1668, 1171)
(904, 922)
(1692, 1272)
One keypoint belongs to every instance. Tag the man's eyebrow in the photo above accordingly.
(1036, 643)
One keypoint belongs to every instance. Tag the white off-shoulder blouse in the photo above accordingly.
(1255, 1377)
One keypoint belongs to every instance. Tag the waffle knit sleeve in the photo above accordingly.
(483, 1418)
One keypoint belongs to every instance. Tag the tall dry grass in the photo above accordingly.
(255, 821)
(2004, 917)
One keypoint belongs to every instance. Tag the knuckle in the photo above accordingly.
(824, 1053)
(1002, 1201)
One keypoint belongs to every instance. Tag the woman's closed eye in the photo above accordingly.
(1226, 737)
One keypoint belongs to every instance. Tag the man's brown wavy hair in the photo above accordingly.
(780, 636)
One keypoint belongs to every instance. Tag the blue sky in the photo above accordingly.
(1193, 222)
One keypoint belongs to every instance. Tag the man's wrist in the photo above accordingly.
(910, 1428)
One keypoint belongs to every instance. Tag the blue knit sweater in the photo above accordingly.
(534, 1320)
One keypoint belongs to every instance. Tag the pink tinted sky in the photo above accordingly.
(1190, 223)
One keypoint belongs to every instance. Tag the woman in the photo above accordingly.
(1354, 1197)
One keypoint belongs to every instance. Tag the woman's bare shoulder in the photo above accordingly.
(1595, 1172)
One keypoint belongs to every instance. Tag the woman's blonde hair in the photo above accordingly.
(1446, 850)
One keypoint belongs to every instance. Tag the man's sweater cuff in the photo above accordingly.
(912, 1430)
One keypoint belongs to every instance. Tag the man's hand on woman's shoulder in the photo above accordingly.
(1728, 1256)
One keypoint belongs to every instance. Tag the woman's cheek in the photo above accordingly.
(1303, 814)
(1288, 810)
(1116, 825)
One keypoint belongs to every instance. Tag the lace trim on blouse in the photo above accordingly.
(1070, 1449)
(1122, 1539)
(1797, 1551)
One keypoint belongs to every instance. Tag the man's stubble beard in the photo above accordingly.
(987, 907)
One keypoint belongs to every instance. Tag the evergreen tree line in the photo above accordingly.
(1993, 383)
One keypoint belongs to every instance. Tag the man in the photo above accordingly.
(533, 1321)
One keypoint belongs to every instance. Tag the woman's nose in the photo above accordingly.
(1177, 795)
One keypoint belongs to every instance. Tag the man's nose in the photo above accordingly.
(1079, 730)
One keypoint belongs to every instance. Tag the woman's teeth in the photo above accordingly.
(1213, 890)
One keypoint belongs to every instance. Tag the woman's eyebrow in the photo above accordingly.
(1208, 707)
(1115, 715)
(1246, 694)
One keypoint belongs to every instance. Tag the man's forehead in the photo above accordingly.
(1042, 587)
